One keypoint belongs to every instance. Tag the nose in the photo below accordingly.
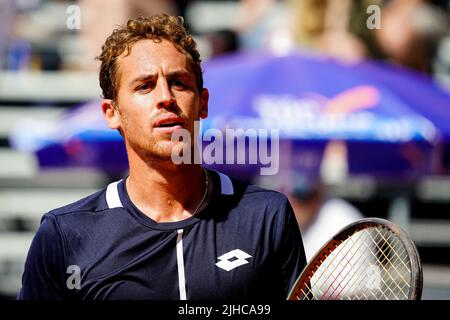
(165, 97)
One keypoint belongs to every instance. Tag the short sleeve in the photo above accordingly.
(44, 272)
(291, 253)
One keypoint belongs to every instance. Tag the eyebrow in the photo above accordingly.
(146, 77)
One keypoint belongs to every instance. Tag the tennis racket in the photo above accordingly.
(371, 259)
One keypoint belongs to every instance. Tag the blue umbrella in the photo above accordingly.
(390, 117)
(365, 101)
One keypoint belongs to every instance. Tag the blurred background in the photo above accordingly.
(360, 91)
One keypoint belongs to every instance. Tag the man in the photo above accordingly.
(319, 217)
(166, 231)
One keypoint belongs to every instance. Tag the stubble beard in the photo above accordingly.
(156, 151)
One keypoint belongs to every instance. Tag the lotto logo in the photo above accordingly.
(232, 259)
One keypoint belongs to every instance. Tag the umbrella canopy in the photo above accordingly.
(316, 98)
(391, 118)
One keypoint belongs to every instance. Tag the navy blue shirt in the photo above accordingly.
(245, 244)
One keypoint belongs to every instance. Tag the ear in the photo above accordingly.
(204, 98)
(111, 113)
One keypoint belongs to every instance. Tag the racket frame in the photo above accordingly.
(342, 235)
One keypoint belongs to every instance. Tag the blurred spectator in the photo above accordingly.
(99, 17)
(411, 30)
(6, 16)
(222, 41)
(33, 31)
(18, 56)
(324, 26)
(409, 34)
(319, 217)
(265, 24)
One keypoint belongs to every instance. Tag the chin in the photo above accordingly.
(164, 150)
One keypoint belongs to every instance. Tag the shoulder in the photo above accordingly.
(47, 259)
(236, 190)
(256, 194)
(257, 205)
(78, 215)
(92, 203)
(76, 222)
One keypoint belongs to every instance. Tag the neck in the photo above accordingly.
(166, 192)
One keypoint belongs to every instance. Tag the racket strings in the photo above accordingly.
(354, 276)
(359, 283)
(395, 269)
(392, 271)
(342, 279)
(370, 264)
(323, 275)
(333, 264)
(361, 275)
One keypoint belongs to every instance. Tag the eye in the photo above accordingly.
(178, 83)
(144, 87)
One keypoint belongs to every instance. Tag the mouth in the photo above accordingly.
(169, 122)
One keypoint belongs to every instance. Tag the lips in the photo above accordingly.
(168, 121)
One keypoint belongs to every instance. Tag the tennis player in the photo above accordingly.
(166, 231)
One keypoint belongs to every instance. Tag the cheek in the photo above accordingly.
(137, 108)
(192, 109)
(193, 114)
(141, 100)
(136, 115)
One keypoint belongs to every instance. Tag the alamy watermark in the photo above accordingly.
(374, 20)
(73, 21)
(74, 280)
(234, 146)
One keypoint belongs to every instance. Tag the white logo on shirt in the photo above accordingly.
(232, 259)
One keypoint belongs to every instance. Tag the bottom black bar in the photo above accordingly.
(201, 310)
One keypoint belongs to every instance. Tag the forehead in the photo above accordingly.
(150, 57)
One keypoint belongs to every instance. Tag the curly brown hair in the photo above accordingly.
(157, 27)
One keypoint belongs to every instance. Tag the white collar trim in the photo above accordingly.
(112, 195)
(113, 198)
(226, 186)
